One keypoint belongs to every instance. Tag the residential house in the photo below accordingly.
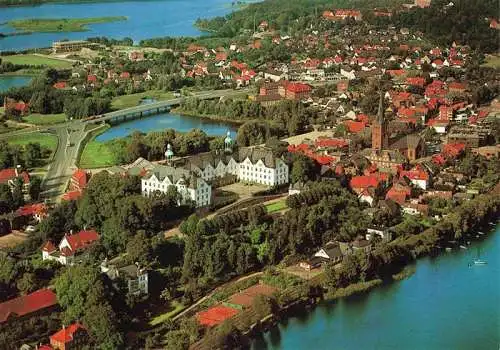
(9, 177)
(79, 180)
(136, 278)
(383, 233)
(70, 247)
(75, 336)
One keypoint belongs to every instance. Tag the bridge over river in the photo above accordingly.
(157, 107)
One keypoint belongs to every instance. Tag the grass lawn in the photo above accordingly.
(492, 61)
(133, 100)
(175, 306)
(45, 119)
(276, 206)
(35, 60)
(45, 140)
(97, 155)
(60, 24)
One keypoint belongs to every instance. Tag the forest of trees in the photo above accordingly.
(465, 22)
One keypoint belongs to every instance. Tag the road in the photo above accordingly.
(72, 134)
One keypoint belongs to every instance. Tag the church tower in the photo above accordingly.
(380, 139)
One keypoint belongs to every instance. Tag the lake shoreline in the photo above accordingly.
(306, 306)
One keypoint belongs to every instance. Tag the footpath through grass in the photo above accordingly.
(133, 100)
(36, 60)
(45, 119)
(60, 24)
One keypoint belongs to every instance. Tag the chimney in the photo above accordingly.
(64, 327)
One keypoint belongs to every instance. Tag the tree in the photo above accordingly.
(6, 200)
(32, 153)
(27, 283)
(35, 188)
(303, 169)
(139, 249)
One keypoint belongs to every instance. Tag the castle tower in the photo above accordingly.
(380, 139)
(228, 143)
(169, 153)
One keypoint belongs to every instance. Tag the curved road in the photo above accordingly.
(72, 134)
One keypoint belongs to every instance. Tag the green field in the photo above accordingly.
(45, 140)
(36, 60)
(43, 25)
(133, 100)
(276, 206)
(492, 61)
(97, 155)
(176, 308)
(45, 119)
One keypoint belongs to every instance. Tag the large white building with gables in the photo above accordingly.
(193, 176)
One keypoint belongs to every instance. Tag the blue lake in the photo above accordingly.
(163, 121)
(146, 19)
(445, 305)
(9, 81)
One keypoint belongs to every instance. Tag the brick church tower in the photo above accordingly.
(380, 139)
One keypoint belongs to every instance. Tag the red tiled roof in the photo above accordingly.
(362, 182)
(32, 209)
(27, 304)
(10, 174)
(82, 239)
(60, 85)
(354, 126)
(331, 143)
(80, 176)
(416, 173)
(215, 315)
(49, 247)
(65, 335)
(72, 195)
(298, 87)
(453, 149)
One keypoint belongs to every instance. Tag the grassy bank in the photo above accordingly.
(355, 288)
(43, 25)
(407, 272)
(97, 154)
(126, 101)
(37, 60)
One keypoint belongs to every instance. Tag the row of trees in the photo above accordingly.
(291, 116)
(152, 146)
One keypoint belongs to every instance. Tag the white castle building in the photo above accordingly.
(193, 176)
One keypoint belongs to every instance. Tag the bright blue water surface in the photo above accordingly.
(163, 121)
(9, 81)
(146, 19)
(445, 305)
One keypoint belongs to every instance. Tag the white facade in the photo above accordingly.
(261, 174)
(200, 192)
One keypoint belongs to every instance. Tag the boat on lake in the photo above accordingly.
(477, 260)
(463, 247)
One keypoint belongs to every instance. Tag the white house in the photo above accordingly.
(190, 186)
(135, 277)
(70, 246)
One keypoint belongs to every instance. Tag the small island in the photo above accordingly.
(60, 24)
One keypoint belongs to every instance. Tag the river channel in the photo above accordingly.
(445, 305)
(180, 123)
(10, 81)
(145, 19)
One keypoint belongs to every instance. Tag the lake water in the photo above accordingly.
(167, 121)
(9, 81)
(146, 19)
(445, 305)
